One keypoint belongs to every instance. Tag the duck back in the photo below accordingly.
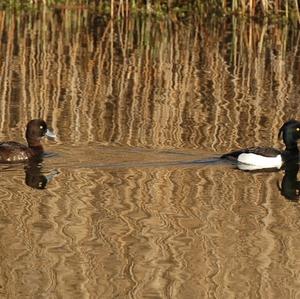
(14, 152)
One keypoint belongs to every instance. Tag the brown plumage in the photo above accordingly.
(11, 151)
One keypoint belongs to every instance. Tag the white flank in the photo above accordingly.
(260, 161)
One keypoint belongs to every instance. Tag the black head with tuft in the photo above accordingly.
(290, 132)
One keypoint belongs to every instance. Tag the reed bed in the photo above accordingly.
(148, 82)
(283, 9)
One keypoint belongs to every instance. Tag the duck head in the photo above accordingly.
(290, 132)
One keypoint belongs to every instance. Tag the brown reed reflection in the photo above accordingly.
(148, 82)
(162, 232)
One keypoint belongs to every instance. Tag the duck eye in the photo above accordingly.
(41, 127)
(298, 129)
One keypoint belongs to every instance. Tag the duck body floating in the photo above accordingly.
(268, 157)
(13, 152)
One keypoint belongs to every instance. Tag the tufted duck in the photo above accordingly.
(267, 157)
(13, 152)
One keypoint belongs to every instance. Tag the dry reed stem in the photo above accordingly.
(123, 8)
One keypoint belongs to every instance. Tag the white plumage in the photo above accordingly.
(260, 161)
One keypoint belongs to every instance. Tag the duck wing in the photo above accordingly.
(12, 144)
(11, 151)
(262, 151)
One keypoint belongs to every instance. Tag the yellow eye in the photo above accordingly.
(297, 129)
(41, 127)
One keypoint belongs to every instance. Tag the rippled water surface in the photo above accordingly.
(131, 200)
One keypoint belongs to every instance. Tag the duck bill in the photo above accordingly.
(50, 135)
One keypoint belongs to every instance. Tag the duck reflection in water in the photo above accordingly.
(290, 186)
(34, 177)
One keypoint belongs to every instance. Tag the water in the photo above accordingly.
(131, 200)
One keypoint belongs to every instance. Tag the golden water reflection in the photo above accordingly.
(180, 232)
(134, 102)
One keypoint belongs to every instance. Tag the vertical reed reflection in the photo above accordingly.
(164, 232)
(148, 82)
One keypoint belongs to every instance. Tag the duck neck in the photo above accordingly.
(290, 143)
(292, 148)
(35, 145)
(290, 153)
